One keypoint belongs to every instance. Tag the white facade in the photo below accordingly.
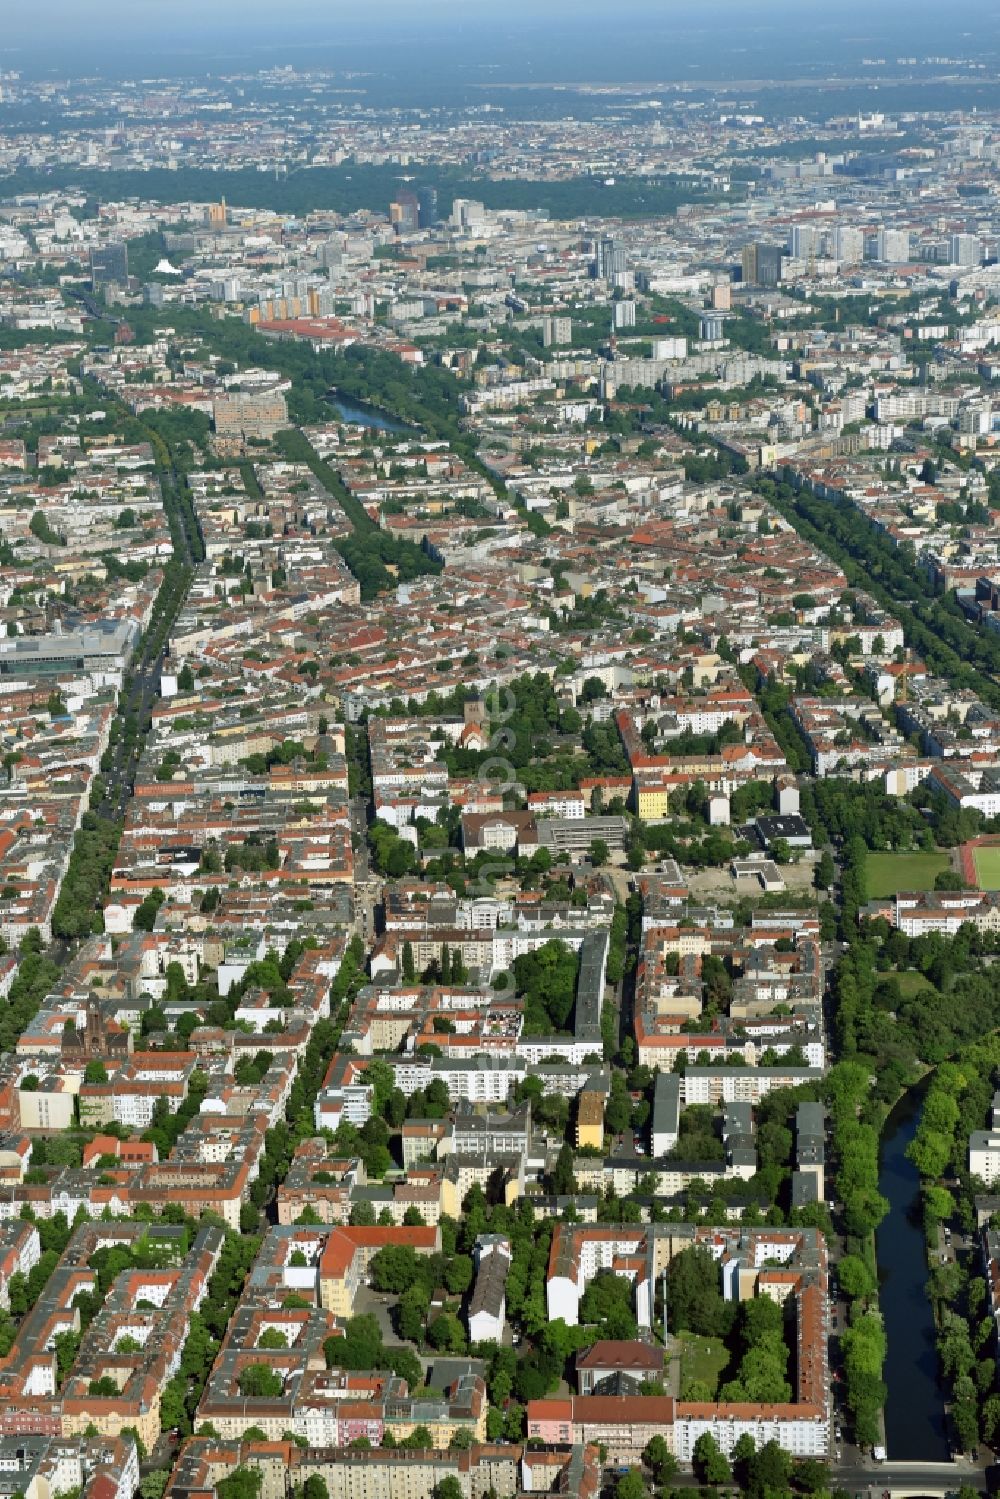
(484, 1083)
(965, 249)
(849, 244)
(984, 1156)
(488, 1320)
(557, 804)
(893, 245)
(352, 1103)
(801, 1436)
(593, 1252)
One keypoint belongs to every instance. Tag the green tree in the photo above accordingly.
(241, 1483)
(811, 1475)
(855, 1277)
(769, 1470)
(513, 1426)
(445, 1334)
(659, 1459)
(173, 1413)
(742, 1454)
(154, 1483)
(547, 980)
(618, 1109)
(991, 1419)
(563, 1179)
(930, 1152)
(261, 1382)
(608, 1300)
(631, 1485)
(411, 1313)
(396, 1268)
(458, 1274)
(965, 1414)
(709, 1462)
(17, 1294)
(864, 1209)
(694, 1294)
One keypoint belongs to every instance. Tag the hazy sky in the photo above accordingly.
(537, 38)
(100, 14)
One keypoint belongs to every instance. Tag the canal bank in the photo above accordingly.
(915, 1426)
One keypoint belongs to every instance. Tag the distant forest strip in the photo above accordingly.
(349, 188)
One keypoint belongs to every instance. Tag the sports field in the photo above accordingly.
(885, 874)
(986, 859)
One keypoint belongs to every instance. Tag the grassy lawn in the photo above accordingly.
(704, 1359)
(987, 861)
(888, 873)
(912, 983)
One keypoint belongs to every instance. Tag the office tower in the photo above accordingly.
(611, 260)
(711, 327)
(225, 289)
(427, 207)
(893, 246)
(109, 264)
(404, 212)
(803, 241)
(722, 296)
(965, 250)
(557, 330)
(321, 301)
(761, 264)
(849, 244)
(605, 249)
(769, 263)
(467, 213)
(625, 314)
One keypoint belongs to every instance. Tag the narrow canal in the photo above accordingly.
(359, 414)
(915, 1426)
